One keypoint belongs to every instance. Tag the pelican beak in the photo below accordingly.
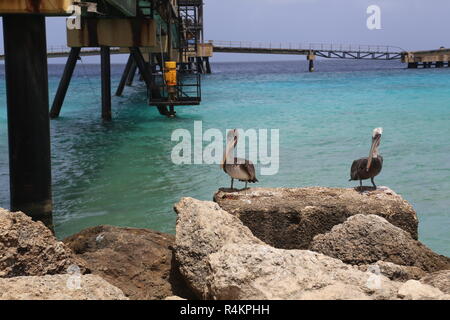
(375, 143)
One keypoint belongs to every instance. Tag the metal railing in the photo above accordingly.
(65, 50)
(307, 46)
(187, 91)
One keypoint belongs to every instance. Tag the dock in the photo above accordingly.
(155, 34)
(438, 58)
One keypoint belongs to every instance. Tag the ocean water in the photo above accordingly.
(121, 173)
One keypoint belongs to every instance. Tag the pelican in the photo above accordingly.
(371, 166)
(241, 169)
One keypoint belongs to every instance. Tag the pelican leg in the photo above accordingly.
(246, 184)
(373, 182)
(232, 180)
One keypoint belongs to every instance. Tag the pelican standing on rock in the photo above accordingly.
(371, 166)
(237, 168)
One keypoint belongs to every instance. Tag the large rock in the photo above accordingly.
(290, 218)
(59, 287)
(366, 239)
(438, 279)
(28, 248)
(203, 228)
(138, 261)
(239, 271)
(415, 290)
(221, 259)
(394, 271)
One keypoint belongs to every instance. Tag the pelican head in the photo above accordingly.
(376, 138)
(232, 137)
(232, 140)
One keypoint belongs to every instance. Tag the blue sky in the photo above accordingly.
(410, 24)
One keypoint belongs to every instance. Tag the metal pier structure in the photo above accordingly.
(438, 58)
(152, 32)
(196, 55)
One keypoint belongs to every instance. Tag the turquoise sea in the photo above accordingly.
(120, 173)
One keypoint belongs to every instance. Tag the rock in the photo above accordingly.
(415, 290)
(366, 239)
(242, 271)
(439, 279)
(394, 271)
(290, 218)
(203, 228)
(59, 287)
(221, 259)
(138, 261)
(28, 248)
(174, 298)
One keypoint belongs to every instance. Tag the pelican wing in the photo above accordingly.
(250, 168)
(358, 166)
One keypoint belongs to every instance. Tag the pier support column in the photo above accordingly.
(28, 117)
(125, 75)
(148, 78)
(106, 82)
(439, 64)
(131, 74)
(65, 82)
(208, 66)
(412, 65)
(200, 65)
(311, 57)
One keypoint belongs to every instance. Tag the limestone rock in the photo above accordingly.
(203, 228)
(415, 290)
(394, 271)
(242, 271)
(138, 261)
(59, 287)
(289, 218)
(439, 279)
(174, 298)
(366, 239)
(28, 248)
(221, 259)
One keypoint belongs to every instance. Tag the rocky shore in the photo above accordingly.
(298, 243)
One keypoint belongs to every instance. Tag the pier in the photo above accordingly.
(156, 34)
(438, 58)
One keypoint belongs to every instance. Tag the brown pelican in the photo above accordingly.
(237, 168)
(371, 166)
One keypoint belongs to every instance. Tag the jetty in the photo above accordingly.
(160, 36)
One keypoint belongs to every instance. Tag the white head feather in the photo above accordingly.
(377, 131)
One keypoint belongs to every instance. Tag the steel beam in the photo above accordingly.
(106, 83)
(28, 116)
(64, 83)
(125, 76)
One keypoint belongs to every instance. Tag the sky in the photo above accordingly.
(409, 24)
